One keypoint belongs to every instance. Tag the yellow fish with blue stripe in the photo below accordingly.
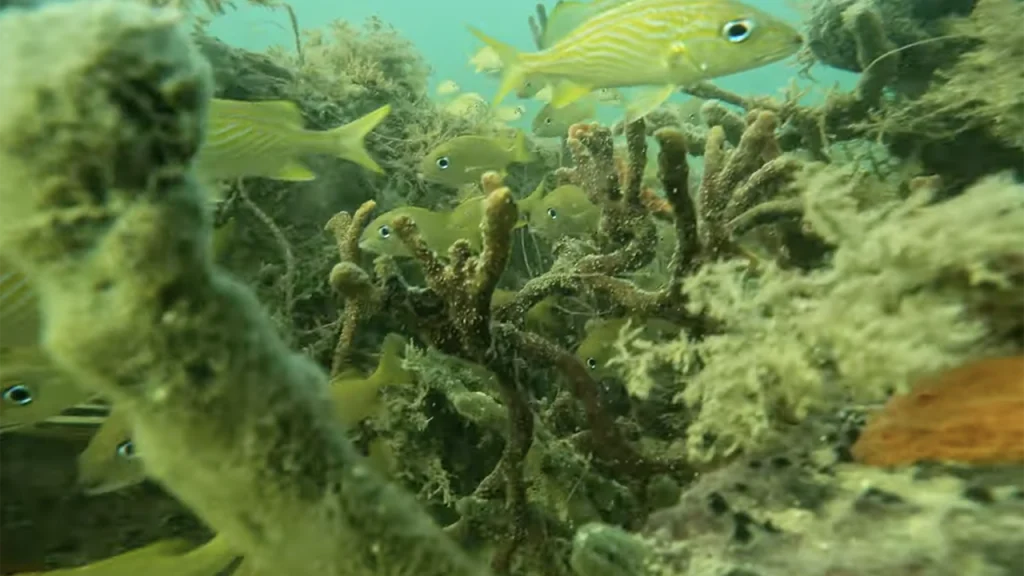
(267, 139)
(658, 43)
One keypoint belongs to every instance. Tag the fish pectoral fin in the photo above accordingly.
(294, 171)
(544, 94)
(565, 93)
(647, 100)
(679, 56)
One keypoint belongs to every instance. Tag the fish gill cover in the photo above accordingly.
(668, 379)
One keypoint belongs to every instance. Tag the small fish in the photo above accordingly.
(509, 113)
(110, 461)
(542, 317)
(598, 344)
(19, 309)
(657, 43)
(486, 61)
(33, 388)
(447, 88)
(553, 122)
(438, 229)
(610, 96)
(464, 159)
(531, 87)
(470, 105)
(564, 212)
(163, 558)
(80, 421)
(266, 139)
(356, 398)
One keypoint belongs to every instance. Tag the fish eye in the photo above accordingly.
(552, 213)
(737, 31)
(126, 449)
(547, 120)
(384, 231)
(592, 363)
(19, 395)
(443, 163)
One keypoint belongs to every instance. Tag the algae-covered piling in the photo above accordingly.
(103, 108)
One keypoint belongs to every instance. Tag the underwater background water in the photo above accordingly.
(438, 30)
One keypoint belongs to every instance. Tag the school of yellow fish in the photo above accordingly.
(589, 52)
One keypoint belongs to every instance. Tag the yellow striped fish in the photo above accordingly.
(266, 139)
(33, 389)
(657, 43)
(162, 558)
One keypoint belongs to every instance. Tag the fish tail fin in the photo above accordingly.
(513, 75)
(389, 368)
(350, 138)
(212, 557)
(520, 149)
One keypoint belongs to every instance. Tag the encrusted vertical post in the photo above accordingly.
(104, 105)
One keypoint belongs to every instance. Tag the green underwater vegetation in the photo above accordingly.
(684, 375)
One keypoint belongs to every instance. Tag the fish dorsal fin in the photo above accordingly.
(389, 367)
(563, 19)
(568, 15)
(526, 205)
(294, 171)
(519, 147)
(285, 110)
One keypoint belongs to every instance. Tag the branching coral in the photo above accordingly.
(897, 302)
(454, 313)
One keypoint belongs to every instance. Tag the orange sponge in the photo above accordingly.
(974, 413)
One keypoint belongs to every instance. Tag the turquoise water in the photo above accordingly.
(438, 29)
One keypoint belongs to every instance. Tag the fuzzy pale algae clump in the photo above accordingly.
(103, 111)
